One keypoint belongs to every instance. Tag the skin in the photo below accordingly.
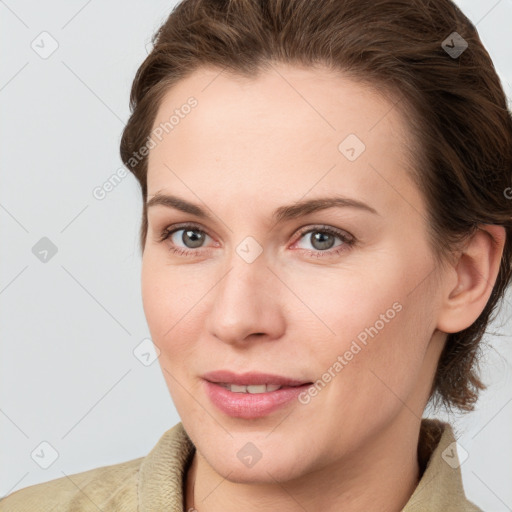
(253, 145)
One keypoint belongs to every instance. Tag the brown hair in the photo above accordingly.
(460, 125)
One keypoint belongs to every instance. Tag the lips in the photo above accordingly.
(251, 395)
(252, 379)
(243, 405)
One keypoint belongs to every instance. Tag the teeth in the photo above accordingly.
(262, 388)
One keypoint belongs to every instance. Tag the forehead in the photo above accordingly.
(290, 130)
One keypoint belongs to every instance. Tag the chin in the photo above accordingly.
(242, 462)
(261, 473)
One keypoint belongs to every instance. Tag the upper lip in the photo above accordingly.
(251, 378)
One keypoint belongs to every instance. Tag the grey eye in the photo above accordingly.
(191, 238)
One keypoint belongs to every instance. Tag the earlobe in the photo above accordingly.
(476, 271)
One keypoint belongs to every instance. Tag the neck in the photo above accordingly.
(384, 472)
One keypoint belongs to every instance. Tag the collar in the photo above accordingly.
(440, 487)
(162, 472)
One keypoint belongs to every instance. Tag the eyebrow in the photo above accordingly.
(283, 213)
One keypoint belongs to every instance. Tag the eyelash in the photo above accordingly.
(348, 241)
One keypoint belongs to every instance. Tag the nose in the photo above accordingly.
(246, 303)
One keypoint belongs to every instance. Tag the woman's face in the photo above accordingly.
(343, 296)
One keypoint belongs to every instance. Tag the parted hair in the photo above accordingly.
(452, 101)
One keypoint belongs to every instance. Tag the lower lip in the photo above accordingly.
(251, 405)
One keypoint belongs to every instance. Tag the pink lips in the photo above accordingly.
(251, 405)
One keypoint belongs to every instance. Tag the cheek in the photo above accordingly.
(383, 375)
(349, 303)
(172, 305)
(374, 328)
(169, 315)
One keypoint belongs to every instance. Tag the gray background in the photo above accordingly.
(69, 376)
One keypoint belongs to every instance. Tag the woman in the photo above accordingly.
(325, 234)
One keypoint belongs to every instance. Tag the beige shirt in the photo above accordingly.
(155, 483)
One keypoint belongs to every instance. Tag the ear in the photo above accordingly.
(475, 273)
